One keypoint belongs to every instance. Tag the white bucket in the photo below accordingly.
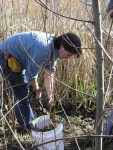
(43, 137)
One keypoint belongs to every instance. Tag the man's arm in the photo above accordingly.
(48, 82)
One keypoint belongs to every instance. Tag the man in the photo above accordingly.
(32, 51)
(109, 122)
(109, 8)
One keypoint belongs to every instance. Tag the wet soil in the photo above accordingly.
(74, 125)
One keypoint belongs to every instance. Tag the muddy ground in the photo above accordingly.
(73, 124)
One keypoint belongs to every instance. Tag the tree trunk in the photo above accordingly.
(100, 74)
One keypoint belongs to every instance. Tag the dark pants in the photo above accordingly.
(23, 110)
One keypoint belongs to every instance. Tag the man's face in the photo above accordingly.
(63, 54)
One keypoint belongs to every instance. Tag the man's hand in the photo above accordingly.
(50, 105)
(51, 102)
